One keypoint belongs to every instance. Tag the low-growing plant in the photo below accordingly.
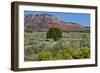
(44, 55)
(37, 48)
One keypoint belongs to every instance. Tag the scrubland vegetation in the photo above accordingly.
(68, 46)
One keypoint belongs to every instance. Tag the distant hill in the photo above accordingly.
(42, 22)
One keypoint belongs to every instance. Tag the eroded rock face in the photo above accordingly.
(43, 22)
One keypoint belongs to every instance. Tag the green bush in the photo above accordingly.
(86, 52)
(54, 33)
(67, 56)
(67, 52)
(45, 55)
(58, 56)
(82, 53)
(77, 54)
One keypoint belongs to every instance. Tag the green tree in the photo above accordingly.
(54, 33)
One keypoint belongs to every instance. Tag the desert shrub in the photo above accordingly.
(77, 54)
(67, 52)
(27, 58)
(84, 42)
(58, 56)
(45, 55)
(54, 33)
(74, 44)
(67, 56)
(29, 29)
(68, 47)
(28, 50)
(82, 53)
(30, 57)
(85, 52)
(57, 47)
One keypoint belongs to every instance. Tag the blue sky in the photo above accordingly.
(83, 19)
